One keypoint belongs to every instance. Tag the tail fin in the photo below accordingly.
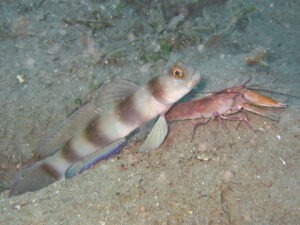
(31, 179)
(47, 171)
(37, 176)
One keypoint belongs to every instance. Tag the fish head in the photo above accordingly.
(175, 83)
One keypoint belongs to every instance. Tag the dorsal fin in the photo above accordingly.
(108, 96)
(75, 123)
(114, 92)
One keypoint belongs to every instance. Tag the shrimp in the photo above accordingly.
(225, 105)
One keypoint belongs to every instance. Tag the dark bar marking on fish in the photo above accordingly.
(69, 154)
(127, 112)
(50, 170)
(157, 90)
(94, 136)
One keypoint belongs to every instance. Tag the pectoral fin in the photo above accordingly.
(94, 158)
(156, 136)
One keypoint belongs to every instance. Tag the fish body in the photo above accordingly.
(149, 101)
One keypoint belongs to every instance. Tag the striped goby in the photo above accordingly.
(149, 101)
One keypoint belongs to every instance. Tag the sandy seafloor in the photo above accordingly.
(53, 53)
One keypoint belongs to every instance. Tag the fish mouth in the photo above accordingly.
(195, 79)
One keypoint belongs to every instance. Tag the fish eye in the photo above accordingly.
(177, 72)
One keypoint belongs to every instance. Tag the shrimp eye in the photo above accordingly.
(177, 72)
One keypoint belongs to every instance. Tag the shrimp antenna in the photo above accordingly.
(256, 88)
(247, 81)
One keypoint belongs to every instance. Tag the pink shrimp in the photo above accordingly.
(224, 105)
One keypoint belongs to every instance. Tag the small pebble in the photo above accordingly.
(278, 137)
(228, 175)
(283, 162)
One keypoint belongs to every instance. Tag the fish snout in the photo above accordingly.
(195, 79)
